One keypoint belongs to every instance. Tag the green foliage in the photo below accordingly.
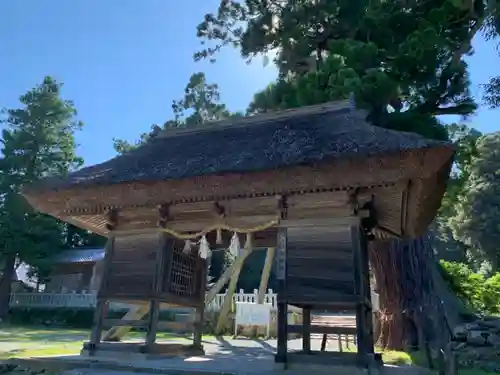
(38, 141)
(390, 54)
(479, 292)
(492, 93)
(477, 208)
(200, 104)
(444, 242)
(403, 61)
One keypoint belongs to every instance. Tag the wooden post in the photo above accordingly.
(154, 304)
(324, 341)
(266, 273)
(281, 355)
(264, 279)
(101, 306)
(228, 299)
(306, 329)
(198, 327)
(364, 319)
(200, 310)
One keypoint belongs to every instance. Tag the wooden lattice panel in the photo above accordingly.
(133, 267)
(184, 275)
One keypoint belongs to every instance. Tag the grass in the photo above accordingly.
(49, 350)
(23, 342)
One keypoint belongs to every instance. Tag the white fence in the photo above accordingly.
(88, 300)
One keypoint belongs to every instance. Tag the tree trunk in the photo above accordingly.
(413, 295)
(5, 284)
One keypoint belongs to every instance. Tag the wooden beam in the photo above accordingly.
(165, 325)
(101, 306)
(248, 212)
(198, 327)
(227, 275)
(312, 221)
(228, 298)
(154, 305)
(136, 312)
(306, 329)
(264, 279)
(282, 318)
(199, 313)
(261, 240)
(266, 273)
(364, 319)
(329, 330)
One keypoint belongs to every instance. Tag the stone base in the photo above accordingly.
(140, 350)
(95, 366)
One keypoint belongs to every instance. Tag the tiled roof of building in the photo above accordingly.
(80, 256)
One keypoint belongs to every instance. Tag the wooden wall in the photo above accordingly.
(134, 266)
(320, 266)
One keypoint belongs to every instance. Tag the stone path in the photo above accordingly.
(238, 356)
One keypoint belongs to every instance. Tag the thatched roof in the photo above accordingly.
(264, 142)
(322, 148)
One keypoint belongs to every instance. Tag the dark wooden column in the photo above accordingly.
(306, 329)
(200, 310)
(364, 319)
(282, 318)
(154, 305)
(102, 303)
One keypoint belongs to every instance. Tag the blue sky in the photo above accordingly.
(123, 62)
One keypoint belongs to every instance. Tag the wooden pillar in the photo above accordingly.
(281, 355)
(306, 329)
(200, 310)
(154, 305)
(264, 280)
(228, 298)
(101, 306)
(364, 321)
(266, 273)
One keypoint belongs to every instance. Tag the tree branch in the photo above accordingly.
(460, 109)
(432, 104)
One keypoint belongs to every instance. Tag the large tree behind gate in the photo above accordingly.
(37, 141)
(403, 60)
(478, 207)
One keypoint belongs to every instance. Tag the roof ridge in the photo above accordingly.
(328, 107)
